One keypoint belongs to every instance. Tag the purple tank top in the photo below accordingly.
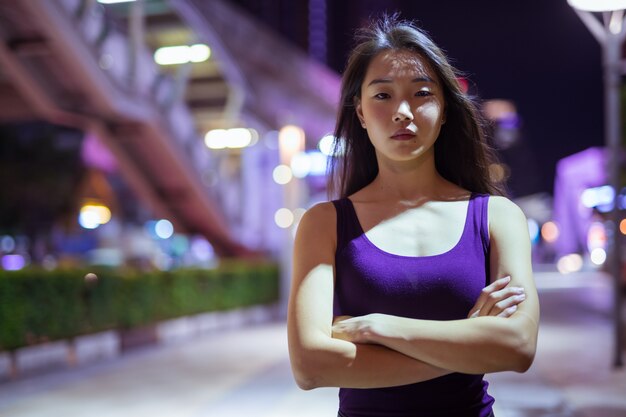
(439, 287)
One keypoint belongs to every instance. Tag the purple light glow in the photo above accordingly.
(96, 155)
(13, 262)
(575, 174)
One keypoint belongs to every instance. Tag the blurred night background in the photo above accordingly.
(156, 156)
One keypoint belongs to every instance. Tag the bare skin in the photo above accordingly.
(408, 209)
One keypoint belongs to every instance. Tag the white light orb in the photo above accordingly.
(283, 218)
(598, 256)
(282, 174)
(164, 229)
(300, 165)
(570, 263)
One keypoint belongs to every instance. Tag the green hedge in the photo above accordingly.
(38, 305)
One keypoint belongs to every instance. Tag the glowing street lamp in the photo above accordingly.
(598, 5)
(611, 36)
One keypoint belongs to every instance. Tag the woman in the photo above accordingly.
(416, 281)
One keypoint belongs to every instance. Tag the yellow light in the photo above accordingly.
(290, 142)
(596, 236)
(282, 174)
(182, 54)
(283, 218)
(569, 263)
(622, 226)
(215, 139)
(238, 138)
(199, 52)
(550, 232)
(93, 215)
(230, 138)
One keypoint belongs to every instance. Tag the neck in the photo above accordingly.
(412, 181)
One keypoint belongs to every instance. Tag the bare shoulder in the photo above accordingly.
(321, 216)
(318, 225)
(504, 214)
(316, 239)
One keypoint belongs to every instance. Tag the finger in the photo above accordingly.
(485, 292)
(500, 306)
(499, 296)
(508, 312)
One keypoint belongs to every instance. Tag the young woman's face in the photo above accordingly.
(401, 106)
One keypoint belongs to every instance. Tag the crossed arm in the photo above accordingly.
(381, 350)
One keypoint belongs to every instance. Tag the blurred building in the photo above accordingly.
(174, 111)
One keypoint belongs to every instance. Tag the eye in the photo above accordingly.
(423, 93)
(381, 96)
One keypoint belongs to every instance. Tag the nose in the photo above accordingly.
(403, 112)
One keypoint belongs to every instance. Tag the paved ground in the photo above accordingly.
(246, 372)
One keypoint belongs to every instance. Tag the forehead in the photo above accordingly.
(398, 64)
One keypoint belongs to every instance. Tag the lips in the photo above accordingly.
(403, 134)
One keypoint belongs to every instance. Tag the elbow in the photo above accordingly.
(306, 378)
(305, 382)
(305, 373)
(524, 361)
(524, 353)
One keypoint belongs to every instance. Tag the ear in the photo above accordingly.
(359, 110)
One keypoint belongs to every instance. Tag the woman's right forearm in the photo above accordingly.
(337, 363)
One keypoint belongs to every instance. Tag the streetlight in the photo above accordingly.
(611, 36)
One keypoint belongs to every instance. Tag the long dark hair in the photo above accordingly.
(462, 154)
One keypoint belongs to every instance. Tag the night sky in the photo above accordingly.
(536, 53)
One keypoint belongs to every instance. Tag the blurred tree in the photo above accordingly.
(40, 173)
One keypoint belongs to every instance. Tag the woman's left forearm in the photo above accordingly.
(474, 346)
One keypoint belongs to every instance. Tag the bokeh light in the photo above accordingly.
(569, 263)
(597, 196)
(291, 140)
(7, 244)
(182, 54)
(596, 236)
(282, 174)
(93, 215)
(13, 262)
(300, 165)
(234, 138)
(550, 231)
(202, 249)
(283, 218)
(598, 256)
(533, 230)
(326, 145)
(164, 229)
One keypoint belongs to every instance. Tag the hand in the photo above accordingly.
(337, 319)
(498, 300)
(355, 329)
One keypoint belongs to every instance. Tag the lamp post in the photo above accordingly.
(610, 34)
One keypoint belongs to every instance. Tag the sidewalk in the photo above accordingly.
(572, 374)
(246, 372)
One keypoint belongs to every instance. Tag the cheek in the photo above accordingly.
(371, 112)
(430, 112)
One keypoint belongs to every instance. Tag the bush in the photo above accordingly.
(38, 305)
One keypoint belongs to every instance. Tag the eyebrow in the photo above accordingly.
(414, 80)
